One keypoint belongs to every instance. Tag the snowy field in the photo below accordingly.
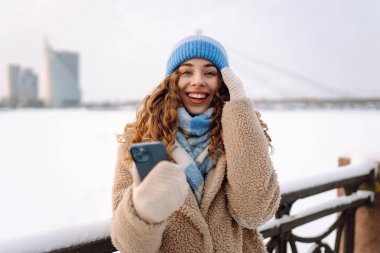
(57, 165)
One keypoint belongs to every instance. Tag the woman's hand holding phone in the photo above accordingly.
(162, 192)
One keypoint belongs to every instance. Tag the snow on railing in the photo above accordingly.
(335, 174)
(331, 204)
(57, 239)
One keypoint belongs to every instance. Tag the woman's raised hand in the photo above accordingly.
(233, 83)
(162, 192)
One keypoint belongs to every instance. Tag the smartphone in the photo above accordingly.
(146, 155)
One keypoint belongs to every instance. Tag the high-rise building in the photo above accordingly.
(61, 78)
(28, 88)
(22, 87)
(13, 76)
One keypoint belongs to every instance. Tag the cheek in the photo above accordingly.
(181, 84)
(214, 86)
(181, 89)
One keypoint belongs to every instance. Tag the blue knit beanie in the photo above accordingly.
(197, 46)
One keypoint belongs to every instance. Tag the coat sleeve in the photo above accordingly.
(130, 233)
(252, 189)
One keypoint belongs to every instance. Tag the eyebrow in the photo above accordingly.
(191, 65)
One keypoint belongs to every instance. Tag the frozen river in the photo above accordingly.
(57, 165)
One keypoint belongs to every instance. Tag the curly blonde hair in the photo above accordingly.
(156, 119)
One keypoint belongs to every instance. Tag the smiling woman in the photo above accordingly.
(219, 185)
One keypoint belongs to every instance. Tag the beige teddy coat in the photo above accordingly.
(240, 194)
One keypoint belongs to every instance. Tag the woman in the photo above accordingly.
(219, 186)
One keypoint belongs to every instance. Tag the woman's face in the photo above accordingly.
(199, 80)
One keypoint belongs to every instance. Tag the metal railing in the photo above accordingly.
(280, 231)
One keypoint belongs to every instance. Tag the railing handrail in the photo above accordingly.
(351, 175)
(287, 223)
(99, 246)
(69, 237)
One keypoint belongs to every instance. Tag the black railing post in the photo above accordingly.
(284, 209)
(282, 244)
(349, 233)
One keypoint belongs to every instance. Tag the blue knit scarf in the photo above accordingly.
(193, 139)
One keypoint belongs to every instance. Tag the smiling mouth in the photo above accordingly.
(197, 95)
(197, 98)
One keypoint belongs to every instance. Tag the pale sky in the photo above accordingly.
(278, 48)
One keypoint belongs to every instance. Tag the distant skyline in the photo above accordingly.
(278, 48)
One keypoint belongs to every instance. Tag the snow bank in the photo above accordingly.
(59, 238)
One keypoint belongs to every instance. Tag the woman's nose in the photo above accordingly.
(197, 79)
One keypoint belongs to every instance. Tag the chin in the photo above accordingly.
(196, 112)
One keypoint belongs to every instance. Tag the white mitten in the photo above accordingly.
(233, 83)
(162, 192)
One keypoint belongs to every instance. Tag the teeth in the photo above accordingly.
(196, 95)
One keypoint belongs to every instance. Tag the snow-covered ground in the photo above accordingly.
(57, 165)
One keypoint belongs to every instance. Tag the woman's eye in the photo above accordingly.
(210, 73)
(185, 72)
